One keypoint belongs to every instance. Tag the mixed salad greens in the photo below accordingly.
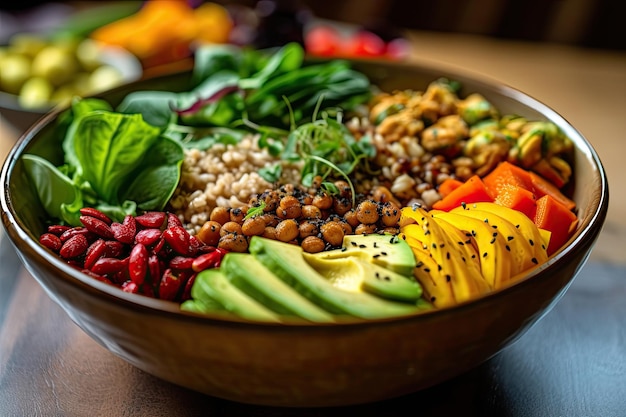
(127, 159)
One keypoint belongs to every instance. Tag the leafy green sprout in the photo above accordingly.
(325, 145)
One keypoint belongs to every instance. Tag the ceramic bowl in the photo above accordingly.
(304, 364)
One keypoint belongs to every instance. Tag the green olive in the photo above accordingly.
(27, 44)
(35, 93)
(15, 71)
(56, 64)
(104, 78)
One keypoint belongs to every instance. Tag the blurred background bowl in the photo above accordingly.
(110, 66)
(302, 364)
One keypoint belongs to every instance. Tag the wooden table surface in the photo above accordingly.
(572, 363)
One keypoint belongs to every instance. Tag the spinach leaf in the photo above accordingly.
(109, 147)
(156, 178)
(57, 193)
(154, 106)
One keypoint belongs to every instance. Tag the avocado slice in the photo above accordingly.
(249, 275)
(211, 287)
(386, 250)
(356, 273)
(287, 262)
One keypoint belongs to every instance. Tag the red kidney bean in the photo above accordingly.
(148, 237)
(173, 220)
(151, 254)
(58, 229)
(125, 232)
(115, 249)
(138, 264)
(181, 262)
(51, 241)
(78, 230)
(109, 266)
(178, 239)
(130, 287)
(169, 285)
(151, 219)
(90, 211)
(74, 247)
(96, 276)
(95, 251)
(207, 260)
(97, 226)
(187, 290)
(155, 267)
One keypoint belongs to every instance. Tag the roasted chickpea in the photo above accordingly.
(383, 195)
(310, 211)
(342, 205)
(287, 230)
(313, 244)
(367, 212)
(390, 215)
(332, 232)
(253, 226)
(351, 218)
(344, 189)
(233, 243)
(269, 233)
(220, 215)
(231, 228)
(323, 201)
(365, 229)
(209, 233)
(271, 200)
(347, 229)
(238, 214)
(307, 229)
(270, 219)
(289, 208)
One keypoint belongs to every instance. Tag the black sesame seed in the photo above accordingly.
(426, 269)
(386, 278)
(531, 242)
(419, 264)
(485, 255)
(344, 248)
(439, 268)
(432, 299)
(509, 238)
(493, 240)
(508, 248)
(535, 261)
(376, 256)
(375, 245)
(448, 278)
(447, 255)
(362, 246)
(354, 244)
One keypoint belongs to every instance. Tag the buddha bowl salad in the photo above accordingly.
(277, 188)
